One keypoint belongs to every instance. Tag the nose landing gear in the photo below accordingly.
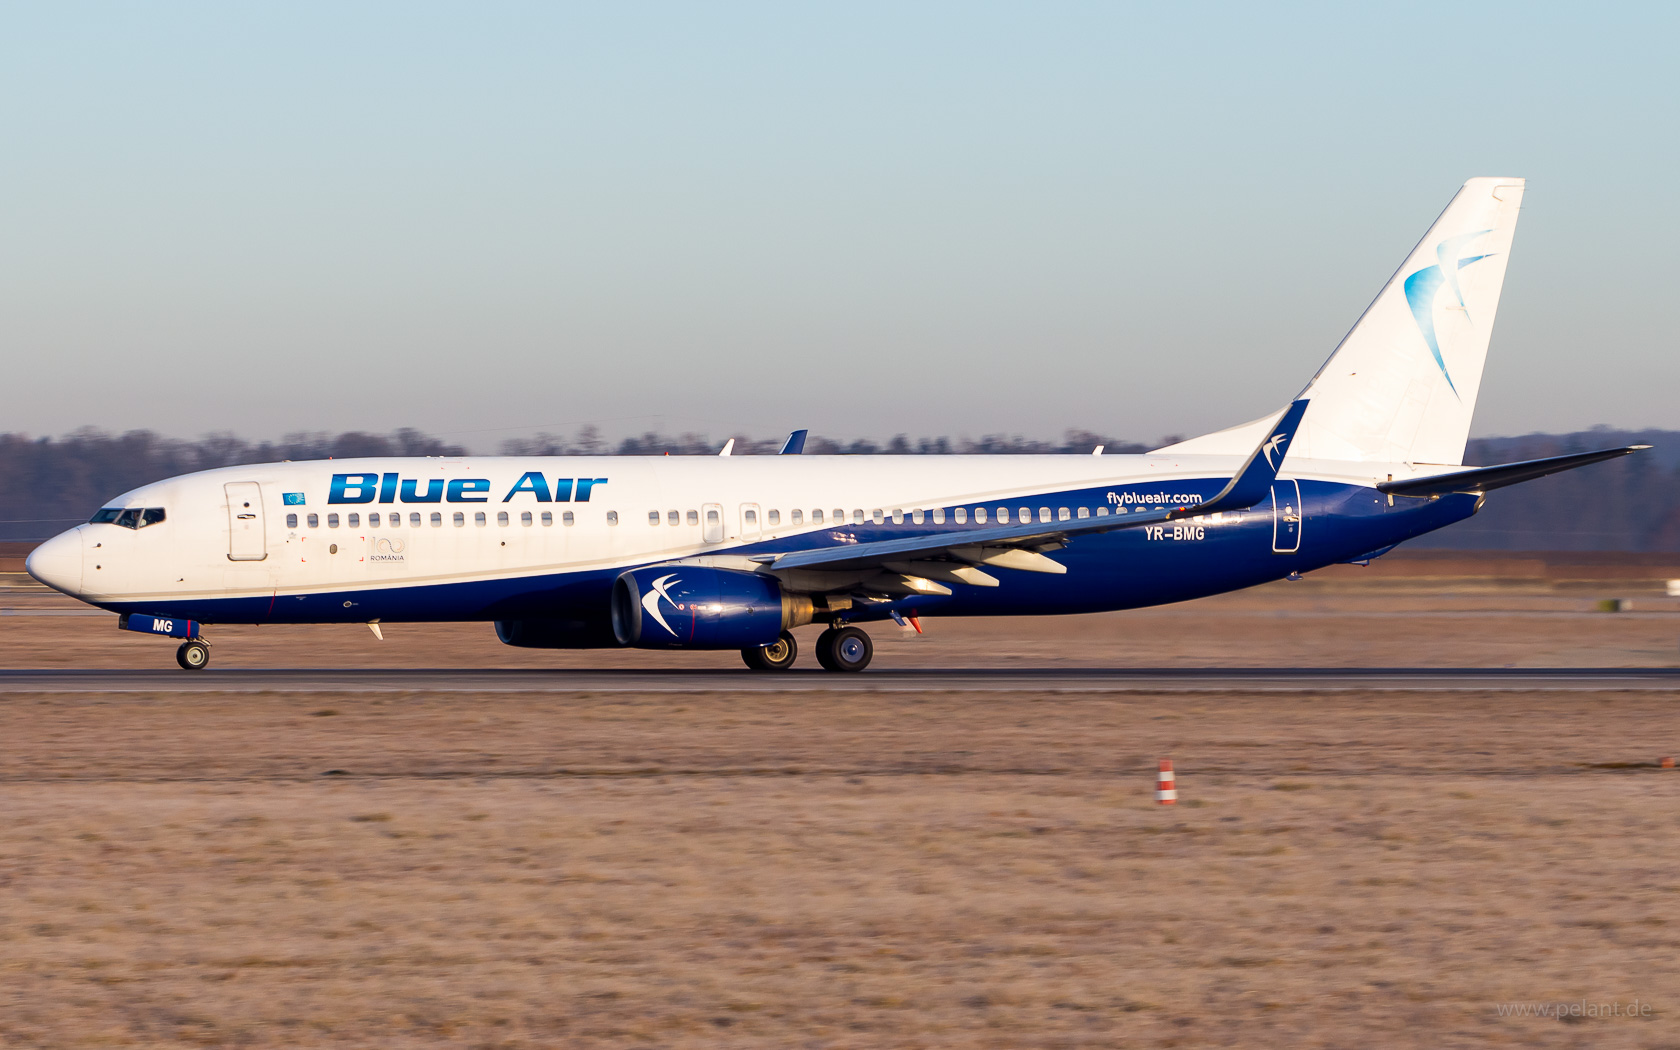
(193, 655)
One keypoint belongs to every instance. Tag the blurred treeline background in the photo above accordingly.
(1631, 504)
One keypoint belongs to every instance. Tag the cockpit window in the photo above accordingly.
(127, 517)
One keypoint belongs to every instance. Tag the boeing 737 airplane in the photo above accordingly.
(733, 552)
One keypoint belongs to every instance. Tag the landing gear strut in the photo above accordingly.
(777, 656)
(193, 655)
(844, 649)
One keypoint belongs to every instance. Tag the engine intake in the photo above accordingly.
(695, 607)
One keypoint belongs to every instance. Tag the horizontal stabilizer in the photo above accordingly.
(1485, 479)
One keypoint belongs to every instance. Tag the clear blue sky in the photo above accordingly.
(483, 220)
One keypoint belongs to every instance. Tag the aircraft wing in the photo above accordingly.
(944, 555)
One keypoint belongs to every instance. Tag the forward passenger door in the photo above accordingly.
(247, 534)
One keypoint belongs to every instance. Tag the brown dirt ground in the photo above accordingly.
(854, 869)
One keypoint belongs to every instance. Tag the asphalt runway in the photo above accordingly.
(1002, 680)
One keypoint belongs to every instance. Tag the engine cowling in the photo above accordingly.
(695, 607)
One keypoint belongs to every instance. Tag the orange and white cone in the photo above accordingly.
(1166, 784)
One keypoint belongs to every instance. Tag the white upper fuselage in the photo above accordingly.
(451, 520)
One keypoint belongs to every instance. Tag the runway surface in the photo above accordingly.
(1047, 679)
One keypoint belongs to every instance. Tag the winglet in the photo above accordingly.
(1253, 482)
(795, 443)
(728, 447)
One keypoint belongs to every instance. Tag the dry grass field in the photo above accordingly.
(857, 869)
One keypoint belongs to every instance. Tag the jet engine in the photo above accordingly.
(695, 607)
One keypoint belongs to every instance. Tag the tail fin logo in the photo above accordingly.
(1272, 446)
(1424, 286)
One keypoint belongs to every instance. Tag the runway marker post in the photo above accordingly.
(1166, 784)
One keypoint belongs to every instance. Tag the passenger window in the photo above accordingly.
(291, 521)
(414, 519)
(1062, 514)
(480, 519)
(979, 515)
(1044, 514)
(772, 517)
(612, 517)
(1025, 515)
(817, 517)
(460, 519)
(525, 518)
(939, 515)
(548, 519)
(673, 517)
(568, 519)
(898, 515)
(694, 517)
(711, 517)
(1102, 512)
(796, 517)
(437, 519)
(354, 521)
(840, 516)
(915, 517)
(653, 517)
(151, 516)
(1084, 512)
(332, 521)
(502, 518)
(750, 517)
(877, 516)
(373, 520)
(961, 514)
(314, 521)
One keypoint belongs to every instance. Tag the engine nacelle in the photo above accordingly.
(695, 607)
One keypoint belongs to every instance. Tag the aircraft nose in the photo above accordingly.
(58, 562)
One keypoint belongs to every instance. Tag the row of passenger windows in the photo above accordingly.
(394, 520)
(749, 517)
(773, 518)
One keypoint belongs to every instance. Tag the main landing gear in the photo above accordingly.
(779, 655)
(844, 649)
(193, 655)
(838, 649)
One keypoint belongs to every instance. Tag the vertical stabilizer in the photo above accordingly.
(1402, 385)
